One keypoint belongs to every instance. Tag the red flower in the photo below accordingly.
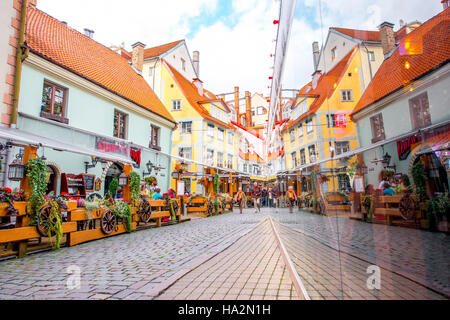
(7, 190)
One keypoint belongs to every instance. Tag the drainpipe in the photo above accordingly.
(20, 56)
(368, 60)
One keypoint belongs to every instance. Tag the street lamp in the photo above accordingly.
(149, 166)
(386, 160)
(16, 170)
(123, 180)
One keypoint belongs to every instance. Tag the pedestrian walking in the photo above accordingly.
(256, 196)
(270, 197)
(240, 199)
(291, 198)
(276, 195)
(264, 197)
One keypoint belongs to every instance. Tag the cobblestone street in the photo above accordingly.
(235, 256)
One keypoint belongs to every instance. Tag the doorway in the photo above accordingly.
(114, 171)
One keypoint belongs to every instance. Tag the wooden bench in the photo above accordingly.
(197, 204)
(388, 208)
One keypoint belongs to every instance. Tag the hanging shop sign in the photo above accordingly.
(404, 146)
(122, 148)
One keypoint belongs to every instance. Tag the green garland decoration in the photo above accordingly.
(113, 186)
(36, 173)
(216, 205)
(123, 211)
(55, 227)
(216, 183)
(419, 177)
(135, 182)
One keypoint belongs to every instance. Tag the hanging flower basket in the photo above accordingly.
(204, 182)
(324, 178)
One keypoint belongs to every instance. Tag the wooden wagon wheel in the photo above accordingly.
(108, 222)
(322, 206)
(174, 206)
(407, 207)
(210, 208)
(144, 211)
(43, 220)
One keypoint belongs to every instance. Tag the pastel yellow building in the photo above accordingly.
(204, 134)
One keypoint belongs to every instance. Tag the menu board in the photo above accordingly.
(89, 182)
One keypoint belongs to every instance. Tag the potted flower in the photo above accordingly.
(71, 203)
(12, 202)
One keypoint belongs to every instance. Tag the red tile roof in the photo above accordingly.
(72, 50)
(325, 87)
(400, 70)
(360, 34)
(159, 50)
(191, 93)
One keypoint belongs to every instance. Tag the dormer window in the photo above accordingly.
(199, 84)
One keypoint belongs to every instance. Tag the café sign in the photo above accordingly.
(121, 148)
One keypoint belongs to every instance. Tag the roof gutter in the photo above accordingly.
(21, 54)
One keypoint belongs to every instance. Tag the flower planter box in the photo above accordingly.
(71, 205)
(19, 205)
(443, 226)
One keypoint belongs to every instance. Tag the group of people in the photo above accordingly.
(270, 197)
(154, 192)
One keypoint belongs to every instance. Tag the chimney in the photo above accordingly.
(387, 37)
(137, 56)
(196, 62)
(236, 104)
(445, 4)
(316, 53)
(88, 33)
(32, 3)
(248, 108)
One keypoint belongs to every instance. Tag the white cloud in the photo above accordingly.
(233, 55)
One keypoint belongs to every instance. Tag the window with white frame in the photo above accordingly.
(300, 130)
(309, 125)
(176, 105)
(209, 156)
(331, 120)
(304, 106)
(292, 135)
(220, 159)
(230, 161)
(312, 154)
(210, 130)
(185, 153)
(333, 54)
(341, 147)
(230, 138)
(183, 64)
(220, 134)
(371, 55)
(294, 159)
(346, 95)
(260, 110)
(213, 112)
(302, 157)
(150, 72)
(186, 127)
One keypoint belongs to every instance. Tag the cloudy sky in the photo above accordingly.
(234, 37)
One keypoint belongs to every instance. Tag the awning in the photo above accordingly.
(436, 143)
(19, 137)
(378, 144)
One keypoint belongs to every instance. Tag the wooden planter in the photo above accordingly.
(19, 205)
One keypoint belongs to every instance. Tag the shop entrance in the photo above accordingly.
(52, 182)
(437, 181)
(114, 171)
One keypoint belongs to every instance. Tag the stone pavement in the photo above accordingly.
(319, 267)
(123, 267)
(417, 254)
(143, 264)
(251, 269)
